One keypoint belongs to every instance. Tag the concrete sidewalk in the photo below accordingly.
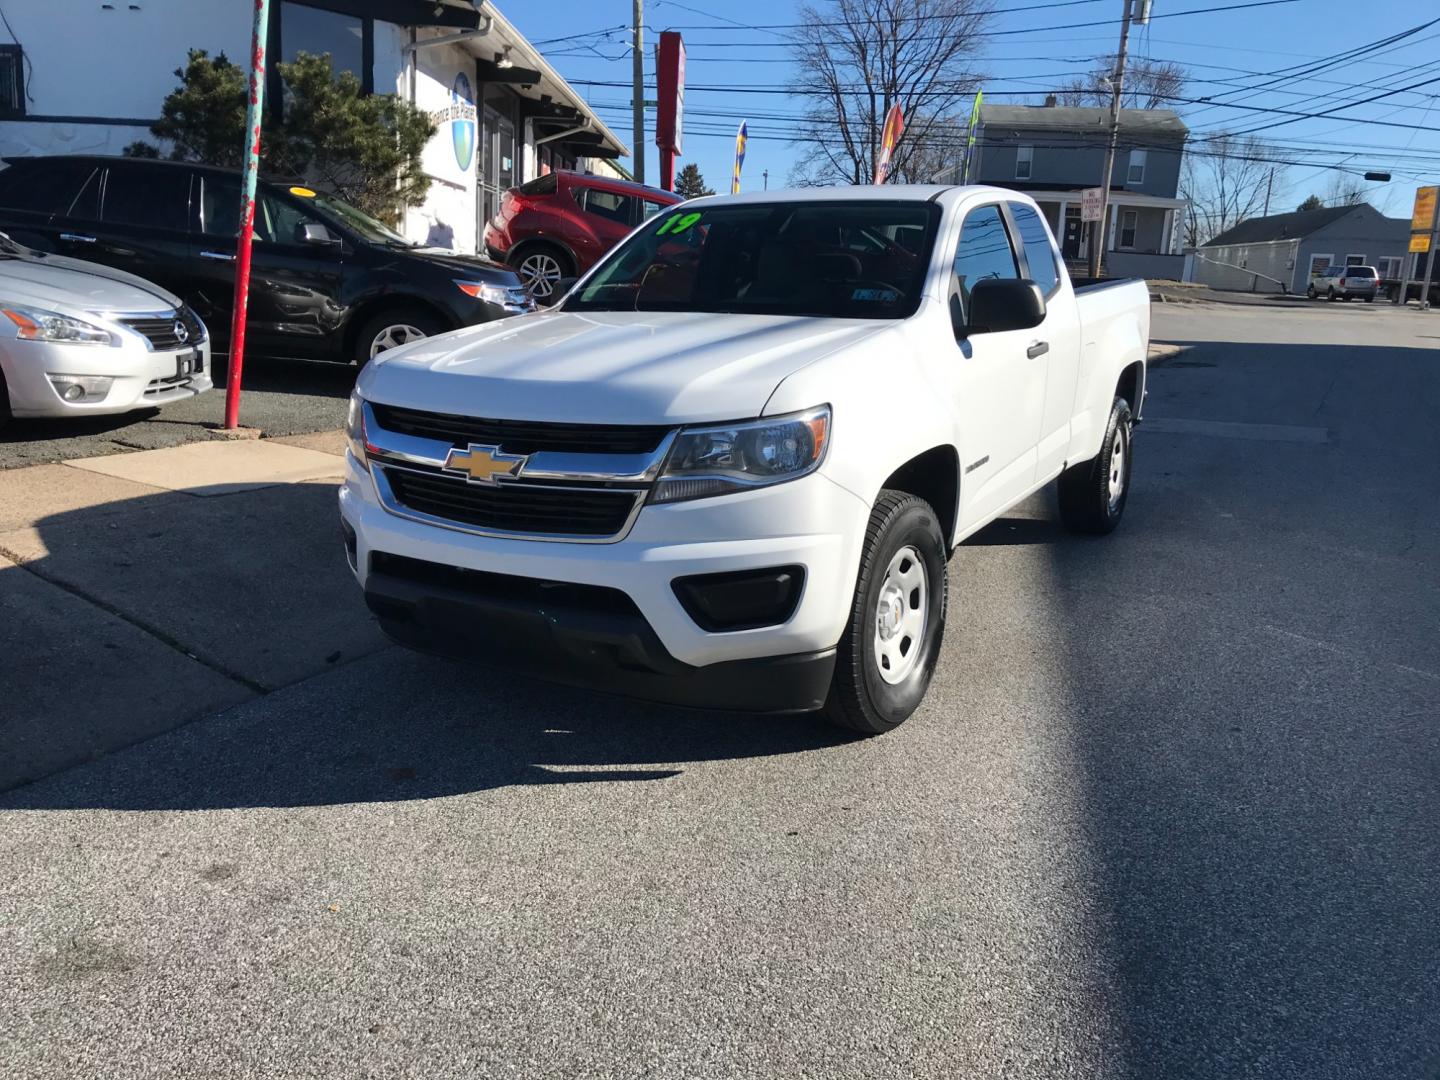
(141, 591)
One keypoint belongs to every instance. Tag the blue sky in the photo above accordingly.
(1225, 52)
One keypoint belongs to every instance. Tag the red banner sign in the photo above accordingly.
(894, 125)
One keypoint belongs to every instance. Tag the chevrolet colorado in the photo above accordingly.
(728, 469)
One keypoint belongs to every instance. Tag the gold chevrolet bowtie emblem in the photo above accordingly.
(483, 464)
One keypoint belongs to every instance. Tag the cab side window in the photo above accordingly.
(984, 253)
(276, 221)
(1039, 255)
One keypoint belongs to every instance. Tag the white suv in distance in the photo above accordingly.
(77, 339)
(1343, 282)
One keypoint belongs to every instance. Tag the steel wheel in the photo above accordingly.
(1118, 465)
(540, 272)
(901, 612)
(394, 336)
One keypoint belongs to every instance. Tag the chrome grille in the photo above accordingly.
(579, 483)
(518, 509)
(159, 330)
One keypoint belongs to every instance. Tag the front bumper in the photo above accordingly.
(142, 379)
(812, 523)
(563, 634)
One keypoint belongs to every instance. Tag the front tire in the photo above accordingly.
(391, 329)
(897, 618)
(4, 403)
(1310, 293)
(1093, 493)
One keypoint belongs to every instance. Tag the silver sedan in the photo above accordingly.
(81, 339)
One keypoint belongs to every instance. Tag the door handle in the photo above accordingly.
(217, 255)
(77, 238)
(1037, 348)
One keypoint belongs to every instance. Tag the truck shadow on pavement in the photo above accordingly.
(188, 604)
(399, 726)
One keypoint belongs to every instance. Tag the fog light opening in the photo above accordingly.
(741, 600)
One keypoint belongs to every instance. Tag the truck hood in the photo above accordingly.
(609, 367)
(53, 281)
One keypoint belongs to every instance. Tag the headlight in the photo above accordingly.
(36, 324)
(481, 290)
(355, 430)
(737, 457)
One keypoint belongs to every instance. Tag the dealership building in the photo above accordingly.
(89, 78)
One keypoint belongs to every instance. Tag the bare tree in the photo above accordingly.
(1344, 190)
(1149, 84)
(857, 58)
(1225, 178)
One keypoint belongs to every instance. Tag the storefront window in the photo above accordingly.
(315, 31)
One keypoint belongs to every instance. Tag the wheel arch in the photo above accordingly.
(368, 309)
(1131, 386)
(933, 475)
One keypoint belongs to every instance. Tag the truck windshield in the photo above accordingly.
(857, 260)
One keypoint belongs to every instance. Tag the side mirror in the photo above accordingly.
(561, 287)
(312, 232)
(998, 304)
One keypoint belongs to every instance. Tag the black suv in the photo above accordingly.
(327, 281)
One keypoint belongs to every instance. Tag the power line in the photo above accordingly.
(999, 11)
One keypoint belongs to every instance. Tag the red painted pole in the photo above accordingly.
(253, 112)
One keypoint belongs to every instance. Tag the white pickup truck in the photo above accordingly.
(729, 468)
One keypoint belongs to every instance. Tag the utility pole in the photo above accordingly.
(1117, 83)
(637, 76)
(1268, 181)
(766, 174)
(254, 114)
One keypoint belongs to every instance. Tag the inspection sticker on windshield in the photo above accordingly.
(882, 296)
(303, 192)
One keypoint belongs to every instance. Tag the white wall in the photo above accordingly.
(84, 60)
(448, 217)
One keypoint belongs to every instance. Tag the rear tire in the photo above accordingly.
(1093, 493)
(541, 266)
(4, 403)
(393, 328)
(1330, 295)
(879, 679)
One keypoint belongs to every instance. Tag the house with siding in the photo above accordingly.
(1053, 152)
(1282, 252)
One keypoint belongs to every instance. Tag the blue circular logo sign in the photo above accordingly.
(462, 128)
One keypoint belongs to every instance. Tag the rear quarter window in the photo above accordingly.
(541, 185)
(1038, 252)
(48, 187)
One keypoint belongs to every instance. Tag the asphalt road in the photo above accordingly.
(279, 397)
(1169, 811)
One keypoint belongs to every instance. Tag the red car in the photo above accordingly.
(558, 225)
